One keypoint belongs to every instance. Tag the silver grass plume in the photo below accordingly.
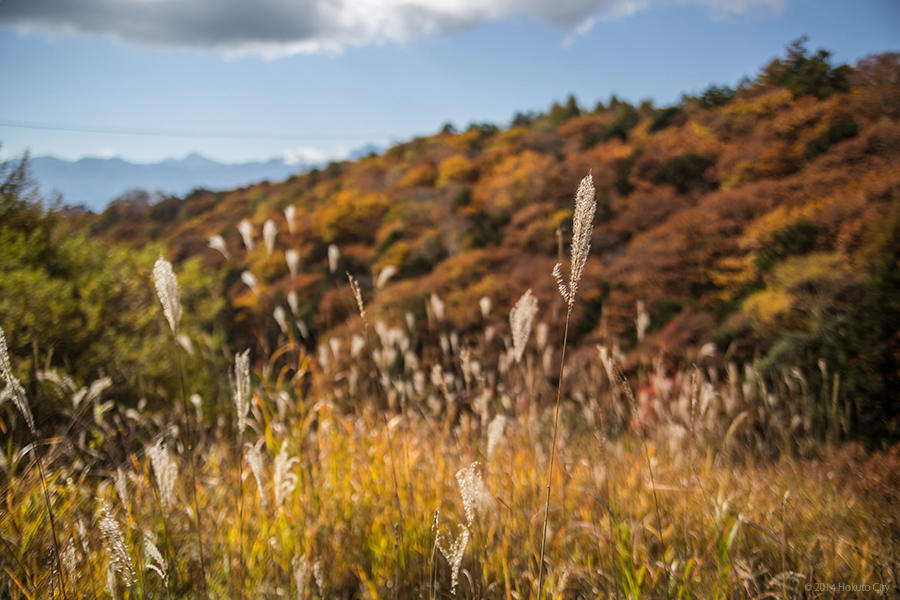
(242, 388)
(475, 495)
(357, 293)
(283, 479)
(289, 213)
(122, 486)
(582, 228)
(255, 460)
(250, 281)
(114, 542)
(13, 387)
(245, 228)
(270, 230)
(168, 292)
(453, 554)
(111, 582)
(521, 318)
(385, 275)
(495, 433)
(217, 242)
(437, 306)
(154, 559)
(166, 471)
(485, 305)
(301, 567)
(334, 255)
(281, 318)
(293, 302)
(292, 258)
(642, 321)
(319, 576)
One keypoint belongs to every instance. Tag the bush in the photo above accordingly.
(839, 131)
(664, 118)
(685, 171)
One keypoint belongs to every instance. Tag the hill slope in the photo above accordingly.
(758, 219)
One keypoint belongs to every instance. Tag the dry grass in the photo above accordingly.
(728, 530)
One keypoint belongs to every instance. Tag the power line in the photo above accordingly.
(193, 134)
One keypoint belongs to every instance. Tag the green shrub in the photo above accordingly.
(839, 131)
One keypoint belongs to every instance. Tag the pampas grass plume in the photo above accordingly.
(168, 292)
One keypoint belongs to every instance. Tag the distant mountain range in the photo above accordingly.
(95, 182)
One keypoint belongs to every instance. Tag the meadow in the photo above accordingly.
(372, 478)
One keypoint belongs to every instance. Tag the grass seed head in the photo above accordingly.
(245, 228)
(13, 387)
(242, 388)
(521, 318)
(114, 542)
(168, 292)
(270, 230)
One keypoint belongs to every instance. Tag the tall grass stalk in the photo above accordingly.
(582, 229)
(241, 406)
(170, 298)
(21, 401)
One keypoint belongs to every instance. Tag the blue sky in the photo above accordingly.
(243, 86)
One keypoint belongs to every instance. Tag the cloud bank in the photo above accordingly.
(273, 28)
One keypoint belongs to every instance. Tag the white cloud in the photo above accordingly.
(274, 28)
(307, 155)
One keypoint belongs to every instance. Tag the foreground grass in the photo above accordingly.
(359, 521)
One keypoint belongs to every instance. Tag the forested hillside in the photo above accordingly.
(763, 220)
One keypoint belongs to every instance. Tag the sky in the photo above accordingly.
(316, 79)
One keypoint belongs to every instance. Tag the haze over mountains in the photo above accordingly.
(95, 182)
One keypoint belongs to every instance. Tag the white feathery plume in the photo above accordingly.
(385, 275)
(475, 495)
(293, 302)
(166, 471)
(281, 318)
(357, 343)
(485, 305)
(217, 242)
(155, 561)
(319, 576)
(122, 486)
(521, 318)
(284, 479)
(334, 255)
(437, 307)
(495, 433)
(289, 213)
(582, 228)
(304, 330)
(13, 387)
(453, 554)
(335, 345)
(642, 321)
(270, 230)
(357, 293)
(300, 565)
(168, 292)
(114, 542)
(542, 334)
(292, 258)
(242, 388)
(245, 228)
(111, 582)
(255, 460)
(250, 281)
(185, 342)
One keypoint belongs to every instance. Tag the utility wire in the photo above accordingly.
(192, 134)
